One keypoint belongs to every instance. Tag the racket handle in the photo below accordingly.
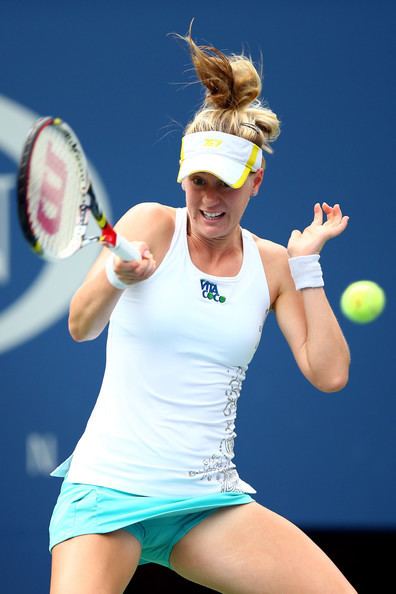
(125, 250)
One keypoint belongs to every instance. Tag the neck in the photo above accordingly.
(218, 256)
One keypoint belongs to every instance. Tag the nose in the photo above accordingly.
(211, 195)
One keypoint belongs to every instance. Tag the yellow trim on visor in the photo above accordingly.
(248, 167)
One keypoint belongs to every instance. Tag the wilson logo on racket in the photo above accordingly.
(52, 191)
(211, 292)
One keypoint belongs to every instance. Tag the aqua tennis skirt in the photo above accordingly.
(157, 522)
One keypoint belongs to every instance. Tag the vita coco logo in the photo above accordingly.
(47, 298)
(210, 291)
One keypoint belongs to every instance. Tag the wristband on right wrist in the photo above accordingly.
(111, 275)
(306, 271)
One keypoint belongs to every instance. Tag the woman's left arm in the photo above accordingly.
(305, 316)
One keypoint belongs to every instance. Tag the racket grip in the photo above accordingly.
(125, 250)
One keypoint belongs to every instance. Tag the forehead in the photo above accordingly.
(214, 179)
(206, 175)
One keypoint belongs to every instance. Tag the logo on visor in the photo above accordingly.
(212, 142)
(211, 292)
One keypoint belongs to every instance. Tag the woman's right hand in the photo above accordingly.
(135, 270)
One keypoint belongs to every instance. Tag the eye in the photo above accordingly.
(223, 185)
(197, 180)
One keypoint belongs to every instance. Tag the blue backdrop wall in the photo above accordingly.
(112, 72)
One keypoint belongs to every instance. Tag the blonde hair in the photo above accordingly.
(232, 100)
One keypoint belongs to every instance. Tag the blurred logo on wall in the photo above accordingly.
(46, 299)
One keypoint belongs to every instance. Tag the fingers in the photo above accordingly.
(314, 237)
(295, 234)
(136, 270)
(335, 219)
(318, 214)
(341, 226)
(333, 213)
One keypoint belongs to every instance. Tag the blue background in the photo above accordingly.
(112, 71)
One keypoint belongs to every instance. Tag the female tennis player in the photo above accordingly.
(152, 478)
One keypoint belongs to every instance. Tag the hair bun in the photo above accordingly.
(232, 96)
(231, 82)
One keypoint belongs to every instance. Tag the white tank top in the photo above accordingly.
(179, 344)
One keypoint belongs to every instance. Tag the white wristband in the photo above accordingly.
(306, 271)
(111, 275)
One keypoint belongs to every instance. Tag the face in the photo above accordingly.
(215, 209)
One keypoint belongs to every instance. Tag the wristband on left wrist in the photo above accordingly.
(306, 271)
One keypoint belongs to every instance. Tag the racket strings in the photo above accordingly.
(54, 193)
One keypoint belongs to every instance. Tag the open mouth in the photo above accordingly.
(212, 216)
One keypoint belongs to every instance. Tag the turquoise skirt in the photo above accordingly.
(157, 522)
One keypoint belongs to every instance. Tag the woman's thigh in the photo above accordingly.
(94, 563)
(248, 549)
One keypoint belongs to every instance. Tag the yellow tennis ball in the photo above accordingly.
(363, 301)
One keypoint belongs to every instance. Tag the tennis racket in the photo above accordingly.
(56, 197)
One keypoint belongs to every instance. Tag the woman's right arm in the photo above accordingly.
(93, 303)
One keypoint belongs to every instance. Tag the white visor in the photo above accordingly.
(228, 157)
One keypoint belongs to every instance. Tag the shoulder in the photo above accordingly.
(149, 212)
(146, 219)
(275, 259)
(151, 222)
(270, 251)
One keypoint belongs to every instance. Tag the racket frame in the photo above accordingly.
(88, 202)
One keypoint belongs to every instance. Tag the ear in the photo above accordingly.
(183, 186)
(257, 181)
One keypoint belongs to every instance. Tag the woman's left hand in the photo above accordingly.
(313, 238)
